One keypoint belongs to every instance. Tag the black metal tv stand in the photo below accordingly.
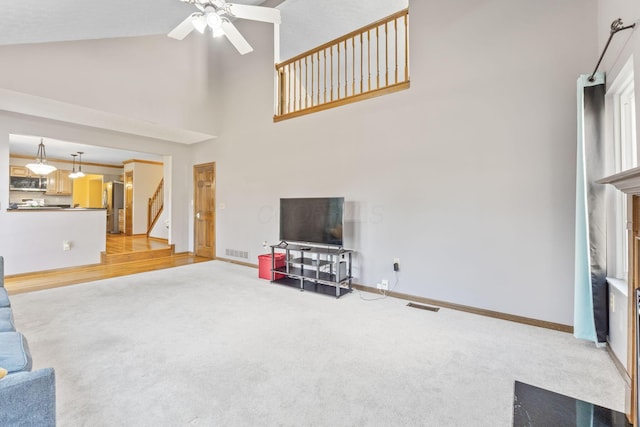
(324, 270)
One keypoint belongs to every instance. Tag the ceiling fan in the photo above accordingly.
(217, 15)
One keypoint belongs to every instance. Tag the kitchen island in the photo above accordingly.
(48, 237)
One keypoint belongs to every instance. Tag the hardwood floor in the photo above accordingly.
(119, 243)
(128, 251)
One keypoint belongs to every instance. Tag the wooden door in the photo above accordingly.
(204, 184)
(128, 203)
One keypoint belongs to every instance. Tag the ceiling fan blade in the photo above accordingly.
(255, 13)
(236, 38)
(183, 29)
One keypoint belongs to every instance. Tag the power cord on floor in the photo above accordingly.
(382, 292)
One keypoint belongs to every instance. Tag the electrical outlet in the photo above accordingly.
(384, 285)
(264, 244)
(396, 260)
(379, 285)
(66, 245)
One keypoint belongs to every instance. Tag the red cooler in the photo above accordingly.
(264, 264)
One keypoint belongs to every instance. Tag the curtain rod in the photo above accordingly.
(616, 26)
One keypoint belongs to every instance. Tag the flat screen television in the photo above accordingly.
(312, 220)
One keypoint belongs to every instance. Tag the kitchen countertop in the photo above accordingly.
(51, 208)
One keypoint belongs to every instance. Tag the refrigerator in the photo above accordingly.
(114, 203)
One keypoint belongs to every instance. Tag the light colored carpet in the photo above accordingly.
(211, 344)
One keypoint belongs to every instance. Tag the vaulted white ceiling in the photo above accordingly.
(305, 23)
(37, 21)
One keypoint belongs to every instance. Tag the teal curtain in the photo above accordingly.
(590, 302)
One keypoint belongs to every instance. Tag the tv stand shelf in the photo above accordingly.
(324, 270)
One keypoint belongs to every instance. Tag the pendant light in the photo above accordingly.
(73, 173)
(80, 174)
(40, 167)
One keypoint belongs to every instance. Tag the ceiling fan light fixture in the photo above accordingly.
(214, 21)
(199, 22)
(217, 32)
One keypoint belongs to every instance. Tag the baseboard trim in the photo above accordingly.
(51, 271)
(159, 239)
(473, 310)
(619, 366)
(233, 261)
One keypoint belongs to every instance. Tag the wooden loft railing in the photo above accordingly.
(155, 206)
(368, 62)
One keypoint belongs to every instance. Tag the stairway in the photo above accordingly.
(121, 249)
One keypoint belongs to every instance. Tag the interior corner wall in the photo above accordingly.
(468, 177)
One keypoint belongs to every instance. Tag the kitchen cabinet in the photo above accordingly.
(59, 183)
(19, 171)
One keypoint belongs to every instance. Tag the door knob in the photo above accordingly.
(198, 215)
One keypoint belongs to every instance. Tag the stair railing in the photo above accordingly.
(367, 62)
(155, 206)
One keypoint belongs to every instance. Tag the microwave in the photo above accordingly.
(23, 183)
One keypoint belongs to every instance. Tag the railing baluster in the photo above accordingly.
(300, 85)
(295, 84)
(331, 73)
(324, 99)
(289, 91)
(369, 59)
(361, 61)
(386, 54)
(281, 91)
(353, 65)
(406, 47)
(338, 70)
(346, 72)
(395, 38)
(378, 57)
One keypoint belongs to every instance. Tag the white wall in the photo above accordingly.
(153, 78)
(467, 177)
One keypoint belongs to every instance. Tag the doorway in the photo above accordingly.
(204, 185)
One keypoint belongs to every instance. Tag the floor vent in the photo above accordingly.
(423, 307)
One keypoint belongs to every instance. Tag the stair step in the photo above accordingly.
(137, 255)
